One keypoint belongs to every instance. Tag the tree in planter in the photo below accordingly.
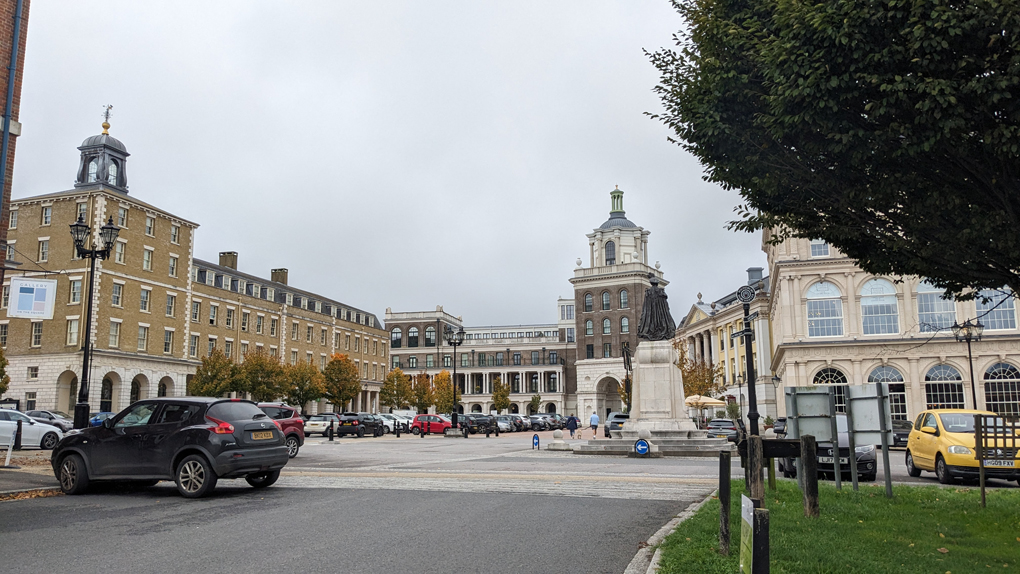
(396, 390)
(342, 381)
(535, 404)
(887, 129)
(733, 411)
(303, 383)
(442, 388)
(500, 395)
(263, 376)
(422, 393)
(699, 377)
(216, 376)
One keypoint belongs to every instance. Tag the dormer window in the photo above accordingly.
(93, 170)
(111, 178)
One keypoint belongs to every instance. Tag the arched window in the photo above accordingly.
(824, 310)
(999, 312)
(605, 301)
(136, 392)
(943, 388)
(879, 314)
(625, 325)
(933, 312)
(1002, 390)
(606, 327)
(111, 176)
(106, 396)
(161, 390)
(588, 302)
(897, 392)
(396, 338)
(93, 170)
(610, 253)
(833, 376)
(624, 303)
(589, 328)
(412, 337)
(430, 336)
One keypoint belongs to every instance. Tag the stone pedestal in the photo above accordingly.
(558, 443)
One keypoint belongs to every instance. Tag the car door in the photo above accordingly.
(31, 431)
(121, 449)
(926, 444)
(162, 441)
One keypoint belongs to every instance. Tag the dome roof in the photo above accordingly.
(617, 219)
(104, 139)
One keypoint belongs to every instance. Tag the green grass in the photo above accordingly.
(862, 532)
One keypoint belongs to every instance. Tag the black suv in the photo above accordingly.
(193, 441)
(359, 424)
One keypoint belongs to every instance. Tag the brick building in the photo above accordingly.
(156, 309)
(11, 28)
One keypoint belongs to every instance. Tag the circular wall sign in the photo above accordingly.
(745, 294)
(641, 446)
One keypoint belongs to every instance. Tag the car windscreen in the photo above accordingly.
(959, 422)
(235, 411)
(721, 423)
(316, 418)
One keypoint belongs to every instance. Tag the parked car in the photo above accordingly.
(867, 463)
(525, 421)
(901, 432)
(194, 441)
(780, 427)
(538, 423)
(34, 434)
(390, 422)
(943, 441)
(320, 423)
(430, 424)
(506, 424)
(96, 419)
(290, 422)
(722, 428)
(359, 425)
(614, 421)
(55, 418)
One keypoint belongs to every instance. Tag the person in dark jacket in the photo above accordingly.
(572, 424)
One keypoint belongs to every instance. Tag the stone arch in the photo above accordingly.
(550, 408)
(166, 388)
(476, 408)
(67, 391)
(139, 388)
(607, 396)
(514, 409)
(109, 392)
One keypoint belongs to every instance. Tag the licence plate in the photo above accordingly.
(828, 460)
(720, 436)
(346, 424)
(999, 463)
(262, 435)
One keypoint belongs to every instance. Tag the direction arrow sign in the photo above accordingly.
(641, 446)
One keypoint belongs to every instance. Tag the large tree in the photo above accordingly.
(422, 394)
(699, 377)
(303, 383)
(500, 395)
(263, 376)
(442, 386)
(342, 380)
(396, 390)
(216, 376)
(888, 128)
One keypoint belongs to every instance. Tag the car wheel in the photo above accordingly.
(195, 477)
(292, 446)
(415, 431)
(942, 470)
(74, 478)
(49, 440)
(361, 432)
(911, 469)
(386, 430)
(263, 479)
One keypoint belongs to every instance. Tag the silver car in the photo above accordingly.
(34, 434)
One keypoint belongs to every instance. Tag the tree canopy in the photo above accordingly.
(443, 389)
(302, 384)
(500, 395)
(890, 129)
(422, 393)
(396, 390)
(536, 403)
(5, 379)
(342, 381)
(263, 376)
(216, 376)
(699, 378)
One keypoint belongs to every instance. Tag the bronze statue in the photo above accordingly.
(656, 323)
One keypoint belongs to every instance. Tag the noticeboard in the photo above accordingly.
(32, 298)
(870, 413)
(746, 534)
(809, 411)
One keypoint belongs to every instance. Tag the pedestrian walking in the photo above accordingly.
(572, 424)
(594, 422)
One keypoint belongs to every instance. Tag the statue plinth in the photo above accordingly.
(657, 404)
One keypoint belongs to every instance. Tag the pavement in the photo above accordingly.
(33, 471)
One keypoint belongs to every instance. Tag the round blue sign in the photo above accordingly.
(534, 440)
(641, 446)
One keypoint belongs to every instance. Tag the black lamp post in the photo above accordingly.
(969, 331)
(454, 339)
(80, 232)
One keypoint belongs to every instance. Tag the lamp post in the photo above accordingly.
(454, 339)
(80, 232)
(776, 379)
(969, 331)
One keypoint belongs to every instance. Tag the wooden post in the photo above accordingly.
(724, 503)
(809, 467)
(754, 458)
(760, 563)
(772, 473)
(979, 428)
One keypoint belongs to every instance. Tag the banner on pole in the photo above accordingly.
(32, 298)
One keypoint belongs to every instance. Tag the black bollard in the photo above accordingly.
(464, 429)
(724, 503)
(17, 437)
(331, 430)
(396, 428)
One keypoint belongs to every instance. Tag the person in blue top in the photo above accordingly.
(594, 421)
(572, 424)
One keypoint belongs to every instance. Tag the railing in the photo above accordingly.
(618, 268)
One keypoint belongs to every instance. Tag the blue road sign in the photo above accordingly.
(641, 446)
(534, 442)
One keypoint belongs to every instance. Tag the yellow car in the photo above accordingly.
(943, 441)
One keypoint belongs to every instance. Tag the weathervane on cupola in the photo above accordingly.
(106, 119)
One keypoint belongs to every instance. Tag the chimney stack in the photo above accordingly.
(754, 275)
(279, 275)
(228, 259)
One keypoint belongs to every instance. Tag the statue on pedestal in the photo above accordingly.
(656, 323)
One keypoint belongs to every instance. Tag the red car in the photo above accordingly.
(290, 422)
(430, 424)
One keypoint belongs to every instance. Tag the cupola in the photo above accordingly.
(103, 160)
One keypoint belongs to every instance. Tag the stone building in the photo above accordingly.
(532, 359)
(156, 309)
(833, 323)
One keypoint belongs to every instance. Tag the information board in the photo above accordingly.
(32, 298)
(746, 534)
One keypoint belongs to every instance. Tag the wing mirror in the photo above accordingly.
(929, 430)
(108, 423)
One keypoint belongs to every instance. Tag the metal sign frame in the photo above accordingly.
(995, 439)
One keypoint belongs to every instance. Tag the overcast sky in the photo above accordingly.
(390, 154)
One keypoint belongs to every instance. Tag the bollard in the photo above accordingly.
(17, 436)
(396, 428)
(428, 425)
(464, 429)
(809, 468)
(724, 503)
(331, 430)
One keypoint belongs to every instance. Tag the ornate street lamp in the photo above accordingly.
(969, 331)
(80, 232)
(454, 339)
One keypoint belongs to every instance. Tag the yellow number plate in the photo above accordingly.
(262, 435)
